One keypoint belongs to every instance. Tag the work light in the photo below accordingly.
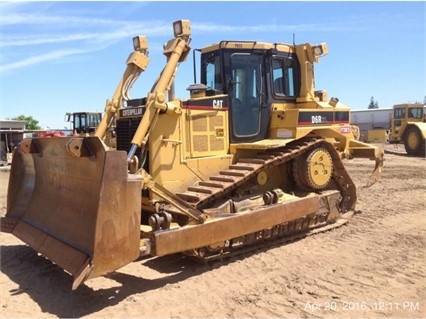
(140, 43)
(181, 28)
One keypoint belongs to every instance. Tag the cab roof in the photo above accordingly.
(248, 45)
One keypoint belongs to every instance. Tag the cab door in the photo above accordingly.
(399, 115)
(249, 114)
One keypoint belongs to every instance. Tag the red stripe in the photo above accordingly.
(201, 107)
(334, 122)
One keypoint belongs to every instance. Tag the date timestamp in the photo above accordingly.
(383, 306)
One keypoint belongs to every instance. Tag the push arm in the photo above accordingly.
(176, 51)
(137, 62)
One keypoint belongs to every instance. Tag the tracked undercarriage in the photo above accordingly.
(283, 233)
(239, 190)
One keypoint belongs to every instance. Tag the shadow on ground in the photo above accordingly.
(35, 275)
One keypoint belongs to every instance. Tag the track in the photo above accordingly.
(203, 193)
(280, 234)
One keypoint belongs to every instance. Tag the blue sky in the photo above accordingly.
(59, 57)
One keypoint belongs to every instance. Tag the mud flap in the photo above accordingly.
(72, 200)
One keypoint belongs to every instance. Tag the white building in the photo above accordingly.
(11, 133)
(371, 119)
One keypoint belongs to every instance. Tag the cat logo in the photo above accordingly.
(217, 104)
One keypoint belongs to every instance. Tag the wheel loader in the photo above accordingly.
(408, 126)
(254, 154)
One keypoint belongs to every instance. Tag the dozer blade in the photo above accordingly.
(72, 200)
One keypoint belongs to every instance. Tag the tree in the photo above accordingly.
(424, 100)
(373, 104)
(30, 122)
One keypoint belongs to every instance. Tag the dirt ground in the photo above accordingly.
(373, 267)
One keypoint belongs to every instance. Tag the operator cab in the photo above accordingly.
(405, 111)
(84, 122)
(244, 71)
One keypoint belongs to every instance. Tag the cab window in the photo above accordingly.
(399, 113)
(416, 113)
(213, 75)
(283, 77)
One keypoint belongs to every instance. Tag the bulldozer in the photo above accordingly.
(408, 126)
(85, 124)
(253, 155)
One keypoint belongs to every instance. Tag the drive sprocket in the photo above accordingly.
(313, 170)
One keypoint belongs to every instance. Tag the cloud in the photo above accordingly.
(98, 35)
(57, 20)
(342, 26)
(52, 31)
(27, 30)
(51, 56)
(44, 39)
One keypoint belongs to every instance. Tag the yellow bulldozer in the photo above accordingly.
(408, 126)
(255, 153)
(85, 124)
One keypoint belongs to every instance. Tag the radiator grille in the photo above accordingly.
(126, 129)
